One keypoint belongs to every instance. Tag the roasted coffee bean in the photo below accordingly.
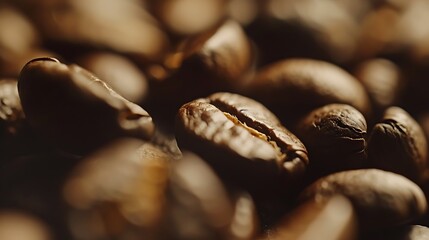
(236, 134)
(216, 60)
(118, 72)
(335, 138)
(188, 17)
(398, 144)
(282, 31)
(138, 192)
(76, 110)
(17, 34)
(71, 27)
(382, 80)
(333, 219)
(381, 199)
(293, 87)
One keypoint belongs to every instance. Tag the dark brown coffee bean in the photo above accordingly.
(335, 138)
(187, 17)
(283, 31)
(333, 219)
(293, 87)
(381, 199)
(398, 144)
(76, 110)
(216, 60)
(242, 140)
(118, 72)
(383, 81)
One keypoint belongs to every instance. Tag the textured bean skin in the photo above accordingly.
(398, 144)
(380, 198)
(239, 135)
(76, 110)
(335, 138)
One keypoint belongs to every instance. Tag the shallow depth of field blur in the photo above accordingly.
(161, 54)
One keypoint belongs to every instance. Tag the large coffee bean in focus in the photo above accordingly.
(381, 199)
(76, 110)
(398, 144)
(242, 140)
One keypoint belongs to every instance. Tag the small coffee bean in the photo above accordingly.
(282, 31)
(381, 199)
(382, 80)
(335, 138)
(242, 140)
(333, 219)
(76, 110)
(118, 72)
(398, 144)
(293, 87)
(188, 17)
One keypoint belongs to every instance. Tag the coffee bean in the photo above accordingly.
(333, 219)
(242, 140)
(218, 59)
(383, 81)
(76, 110)
(132, 188)
(282, 31)
(335, 138)
(186, 17)
(293, 87)
(118, 72)
(398, 144)
(381, 199)
(72, 27)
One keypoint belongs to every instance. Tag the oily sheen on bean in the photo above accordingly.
(239, 135)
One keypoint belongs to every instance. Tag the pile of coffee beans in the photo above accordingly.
(214, 119)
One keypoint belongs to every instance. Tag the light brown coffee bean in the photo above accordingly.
(381, 199)
(242, 140)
